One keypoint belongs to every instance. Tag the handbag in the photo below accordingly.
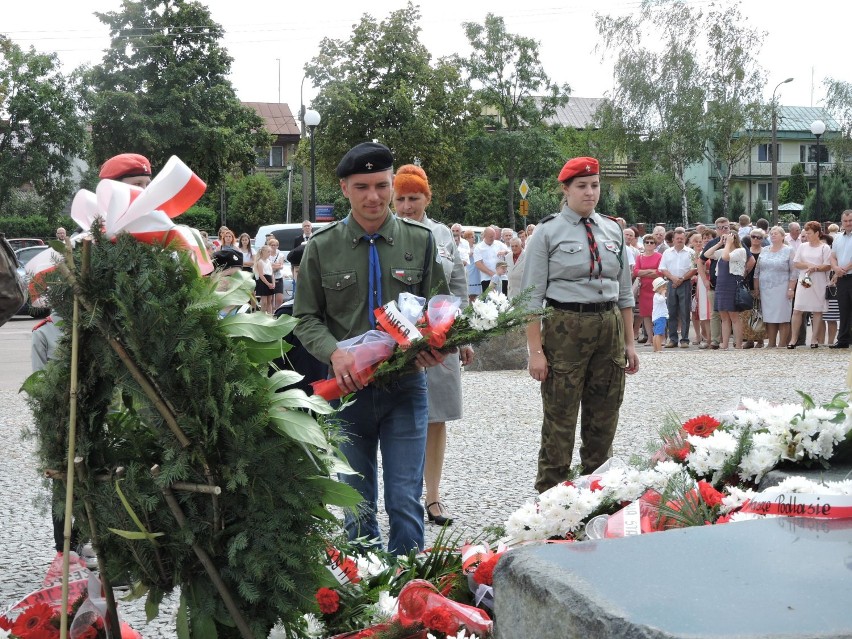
(743, 300)
(755, 329)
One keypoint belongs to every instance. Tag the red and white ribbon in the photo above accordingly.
(146, 214)
(813, 505)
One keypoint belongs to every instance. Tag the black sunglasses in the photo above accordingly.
(756, 237)
(650, 242)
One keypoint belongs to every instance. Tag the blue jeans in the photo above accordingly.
(395, 418)
(680, 306)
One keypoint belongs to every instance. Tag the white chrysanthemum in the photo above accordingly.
(370, 565)
(386, 605)
(757, 462)
(735, 498)
(526, 523)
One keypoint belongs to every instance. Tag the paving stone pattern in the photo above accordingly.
(491, 453)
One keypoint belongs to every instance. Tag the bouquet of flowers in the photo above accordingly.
(406, 330)
(702, 472)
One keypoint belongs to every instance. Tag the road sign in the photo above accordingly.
(525, 207)
(524, 189)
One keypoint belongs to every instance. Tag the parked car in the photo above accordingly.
(24, 255)
(285, 233)
(22, 242)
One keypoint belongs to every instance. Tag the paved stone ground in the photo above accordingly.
(491, 454)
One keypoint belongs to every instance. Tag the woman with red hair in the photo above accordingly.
(411, 196)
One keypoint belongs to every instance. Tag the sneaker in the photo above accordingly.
(704, 346)
(684, 344)
(670, 345)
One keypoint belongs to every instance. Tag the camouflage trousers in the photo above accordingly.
(585, 352)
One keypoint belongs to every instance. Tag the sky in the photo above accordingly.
(270, 41)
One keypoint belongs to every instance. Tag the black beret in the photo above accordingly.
(367, 157)
(227, 258)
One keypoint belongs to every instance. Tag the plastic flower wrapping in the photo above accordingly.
(410, 325)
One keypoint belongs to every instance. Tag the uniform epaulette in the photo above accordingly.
(46, 320)
(609, 217)
(323, 229)
(547, 218)
(413, 223)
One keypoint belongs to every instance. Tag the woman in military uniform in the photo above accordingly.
(576, 265)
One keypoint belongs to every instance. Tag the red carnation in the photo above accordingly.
(724, 519)
(710, 495)
(328, 600)
(442, 620)
(595, 485)
(701, 426)
(484, 573)
(34, 622)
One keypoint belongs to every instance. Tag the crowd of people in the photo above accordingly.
(795, 278)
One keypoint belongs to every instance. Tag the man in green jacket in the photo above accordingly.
(350, 268)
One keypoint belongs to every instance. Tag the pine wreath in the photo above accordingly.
(267, 531)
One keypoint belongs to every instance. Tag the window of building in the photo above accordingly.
(808, 153)
(272, 158)
(764, 152)
(764, 191)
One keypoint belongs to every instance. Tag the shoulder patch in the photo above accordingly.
(547, 218)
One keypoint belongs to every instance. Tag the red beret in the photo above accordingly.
(124, 166)
(579, 167)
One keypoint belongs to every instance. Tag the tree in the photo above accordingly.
(758, 210)
(733, 84)
(162, 89)
(253, 202)
(659, 92)
(655, 198)
(838, 100)
(381, 84)
(798, 190)
(40, 130)
(509, 75)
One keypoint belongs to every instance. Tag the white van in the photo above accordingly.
(286, 234)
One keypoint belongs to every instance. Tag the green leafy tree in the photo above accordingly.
(659, 92)
(758, 210)
(41, 131)
(655, 198)
(509, 75)
(382, 84)
(838, 100)
(734, 83)
(798, 190)
(784, 192)
(162, 89)
(737, 203)
(253, 202)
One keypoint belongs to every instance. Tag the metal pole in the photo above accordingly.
(774, 150)
(313, 179)
(289, 191)
(305, 213)
(818, 202)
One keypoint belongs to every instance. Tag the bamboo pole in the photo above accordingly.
(113, 625)
(208, 564)
(72, 445)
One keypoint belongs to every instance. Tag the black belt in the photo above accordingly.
(599, 307)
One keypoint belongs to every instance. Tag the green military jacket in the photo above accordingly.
(332, 293)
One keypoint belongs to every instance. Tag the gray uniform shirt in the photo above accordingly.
(557, 262)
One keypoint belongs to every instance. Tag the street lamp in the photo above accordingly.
(818, 128)
(775, 154)
(312, 119)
